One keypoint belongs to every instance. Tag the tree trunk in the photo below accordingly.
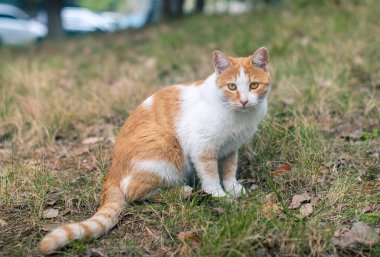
(173, 8)
(54, 20)
(199, 6)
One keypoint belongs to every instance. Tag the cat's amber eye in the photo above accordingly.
(231, 86)
(254, 85)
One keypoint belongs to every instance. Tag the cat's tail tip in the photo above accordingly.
(48, 245)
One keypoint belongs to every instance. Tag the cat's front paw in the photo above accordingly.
(235, 189)
(215, 192)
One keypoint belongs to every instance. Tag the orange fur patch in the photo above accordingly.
(229, 165)
(148, 134)
(193, 83)
(253, 73)
(141, 185)
(69, 232)
(87, 230)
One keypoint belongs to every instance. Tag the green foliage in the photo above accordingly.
(100, 5)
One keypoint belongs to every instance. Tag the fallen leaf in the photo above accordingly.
(189, 237)
(80, 150)
(314, 200)
(2, 223)
(306, 209)
(360, 232)
(189, 241)
(366, 209)
(364, 234)
(92, 140)
(283, 168)
(50, 213)
(151, 233)
(100, 251)
(297, 200)
(64, 212)
(270, 206)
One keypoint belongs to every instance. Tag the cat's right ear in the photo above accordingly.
(221, 61)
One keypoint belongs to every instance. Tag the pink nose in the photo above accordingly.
(243, 102)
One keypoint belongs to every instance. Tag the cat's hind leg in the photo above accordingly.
(147, 177)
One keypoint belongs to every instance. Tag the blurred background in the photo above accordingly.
(28, 21)
(72, 71)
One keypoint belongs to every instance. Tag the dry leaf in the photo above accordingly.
(80, 150)
(366, 209)
(100, 251)
(360, 232)
(2, 223)
(283, 168)
(364, 234)
(189, 241)
(190, 237)
(298, 199)
(151, 233)
(50, 213)
(314, 200)
(306, 209)
(270, 206)
(92, 140)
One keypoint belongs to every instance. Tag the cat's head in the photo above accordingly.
(243, 82)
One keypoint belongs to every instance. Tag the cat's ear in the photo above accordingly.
(260, 58)
(221, 61)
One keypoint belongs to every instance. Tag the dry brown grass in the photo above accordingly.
(324, 118)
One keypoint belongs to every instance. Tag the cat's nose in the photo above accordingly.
(243, 101)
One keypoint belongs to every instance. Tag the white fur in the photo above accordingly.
(207, 119)
(148, 102)
(124, 184)
(94, 227)
(107, 222)
(61, 234)
(233, 187)
(165, 170)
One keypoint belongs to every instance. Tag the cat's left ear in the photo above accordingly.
(221, 61)
(260, 58)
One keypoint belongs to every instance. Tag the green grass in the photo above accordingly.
(323, 117)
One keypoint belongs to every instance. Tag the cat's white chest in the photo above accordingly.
(204, 125)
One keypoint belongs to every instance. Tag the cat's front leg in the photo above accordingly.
(229, 167)
(206, 166)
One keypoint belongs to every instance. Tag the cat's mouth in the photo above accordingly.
(242, 108)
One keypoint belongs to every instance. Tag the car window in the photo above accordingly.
(7, 16)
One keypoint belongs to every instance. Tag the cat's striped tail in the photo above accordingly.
(103, 220)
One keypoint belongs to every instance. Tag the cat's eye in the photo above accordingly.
(231, 86)
(254, 85)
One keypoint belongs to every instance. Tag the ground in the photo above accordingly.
(63, 102)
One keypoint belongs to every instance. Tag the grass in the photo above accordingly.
(324, 117)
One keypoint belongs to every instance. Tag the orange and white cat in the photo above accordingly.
(180, 130)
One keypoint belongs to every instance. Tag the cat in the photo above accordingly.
(177, 131)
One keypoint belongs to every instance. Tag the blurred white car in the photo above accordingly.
(17, 28)
(78, 20)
